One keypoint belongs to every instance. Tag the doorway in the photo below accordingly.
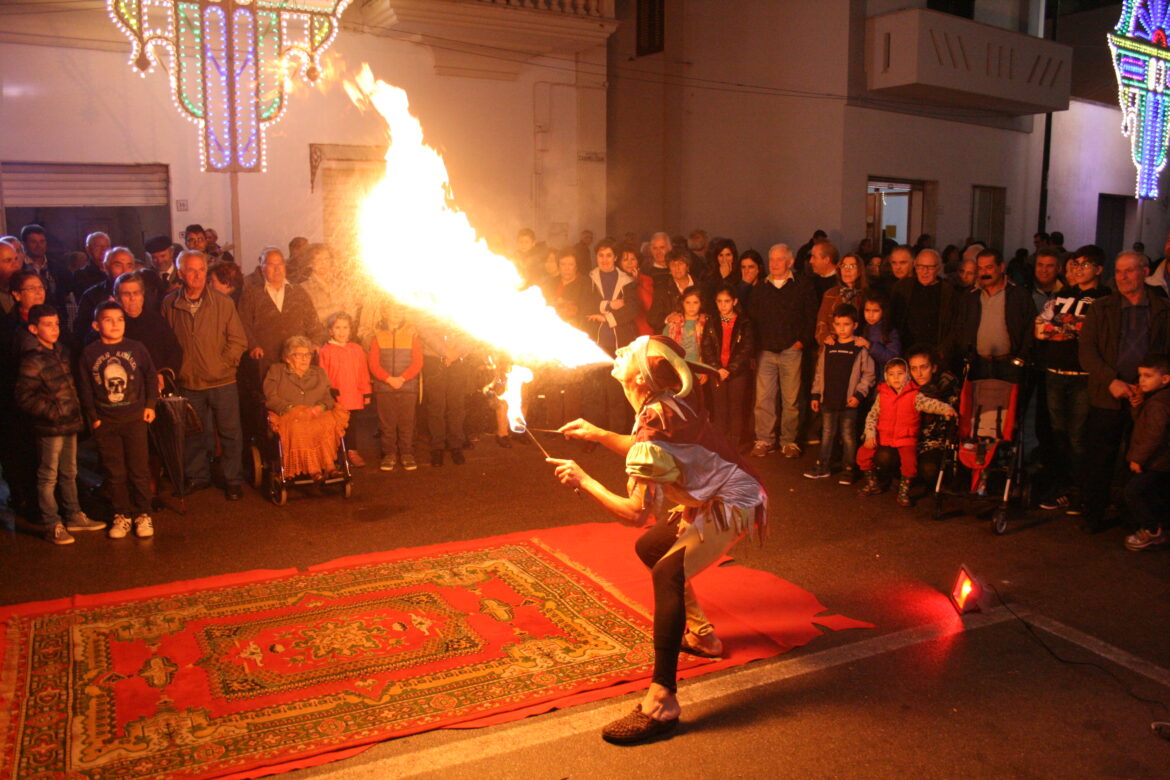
(988, 210)
(897, 211)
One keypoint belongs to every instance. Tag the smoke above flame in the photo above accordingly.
(421, 249)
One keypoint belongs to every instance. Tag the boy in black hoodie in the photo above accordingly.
(45, 391)
(119, 389)
(1147, 494)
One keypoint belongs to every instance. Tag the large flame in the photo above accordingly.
(422, 250)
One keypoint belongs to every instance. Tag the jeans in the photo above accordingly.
(832, 421)
(1105, 431)
(125, 456)
(778, 372)
(219, 409)
(396, 421)
(1068, 411)
(446, 400)
(58, 469)
(1147, 496)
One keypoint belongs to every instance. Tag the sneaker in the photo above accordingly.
(847, 477)
(819, 471)
(120, 528)
(1056, 502)
(81, 522)
(760, 449)
(355, 458)
(790, 450)
(387, 463)
(1145, 540)
(143, 526)
(408, 463)
(57, 534)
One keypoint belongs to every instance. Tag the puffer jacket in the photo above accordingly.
(45, 391)
(212, 338)
(899, 420)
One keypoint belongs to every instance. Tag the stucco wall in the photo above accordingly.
(87, 106)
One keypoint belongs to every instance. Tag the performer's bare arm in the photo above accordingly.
(630, 509)
(587, 431)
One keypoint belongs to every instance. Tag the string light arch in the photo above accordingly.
(231, 64)
(1141, 61)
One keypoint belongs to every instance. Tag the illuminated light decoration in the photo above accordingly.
(969, 593)
(409, 222)
(230, 63)
(1141, 62)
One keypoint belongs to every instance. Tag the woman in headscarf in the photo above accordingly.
(302, 410)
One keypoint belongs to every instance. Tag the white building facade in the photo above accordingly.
(760, 120)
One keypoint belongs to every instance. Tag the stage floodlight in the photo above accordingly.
(969, 593)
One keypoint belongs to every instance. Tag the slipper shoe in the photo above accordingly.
(693, 649)
(637, 727)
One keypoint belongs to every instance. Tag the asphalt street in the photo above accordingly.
(922, 694)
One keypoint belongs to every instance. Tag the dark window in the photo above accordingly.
(651, 26)
(964, 8)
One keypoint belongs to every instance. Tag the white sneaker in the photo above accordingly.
(143, 526)
(120, 527)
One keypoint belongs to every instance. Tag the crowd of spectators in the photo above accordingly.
(857, 354)
(861, 354)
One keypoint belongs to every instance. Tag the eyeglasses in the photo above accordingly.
(853, 266)
(32, 288)
(1081, 264)
(300, 354)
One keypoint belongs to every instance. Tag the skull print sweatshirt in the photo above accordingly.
(118, 381)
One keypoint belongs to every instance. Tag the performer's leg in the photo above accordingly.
(669, 579)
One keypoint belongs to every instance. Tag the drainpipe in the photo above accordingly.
(1042, 217)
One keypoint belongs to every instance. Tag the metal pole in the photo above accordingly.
(1042, 217)
(237, 240)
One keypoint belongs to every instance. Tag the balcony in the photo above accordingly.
(494, 38)
(940, 59)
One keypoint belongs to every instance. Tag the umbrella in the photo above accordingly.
(169, 433)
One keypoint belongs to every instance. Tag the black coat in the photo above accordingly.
(1019, 311)
(913, 326)
(743, 345)
(45, 391)
(1100, 342)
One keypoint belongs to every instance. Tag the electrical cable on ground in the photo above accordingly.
(1160, 728)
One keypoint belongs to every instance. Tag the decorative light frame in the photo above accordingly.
(231, 64)
(1141, 62)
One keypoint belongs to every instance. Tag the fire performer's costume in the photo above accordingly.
(703, 497)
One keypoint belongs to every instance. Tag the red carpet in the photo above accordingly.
(246, 674)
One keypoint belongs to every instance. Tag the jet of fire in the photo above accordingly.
(409, 222)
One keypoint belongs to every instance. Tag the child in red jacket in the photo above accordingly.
(892, 427)
(344, 362)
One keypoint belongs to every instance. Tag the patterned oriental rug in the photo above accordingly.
(249, 674)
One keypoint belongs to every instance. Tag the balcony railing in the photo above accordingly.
(601, 8)
(940, 59)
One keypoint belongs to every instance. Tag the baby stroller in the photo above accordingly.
(984, 460)
(267, 462)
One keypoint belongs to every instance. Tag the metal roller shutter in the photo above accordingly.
(46, 185)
